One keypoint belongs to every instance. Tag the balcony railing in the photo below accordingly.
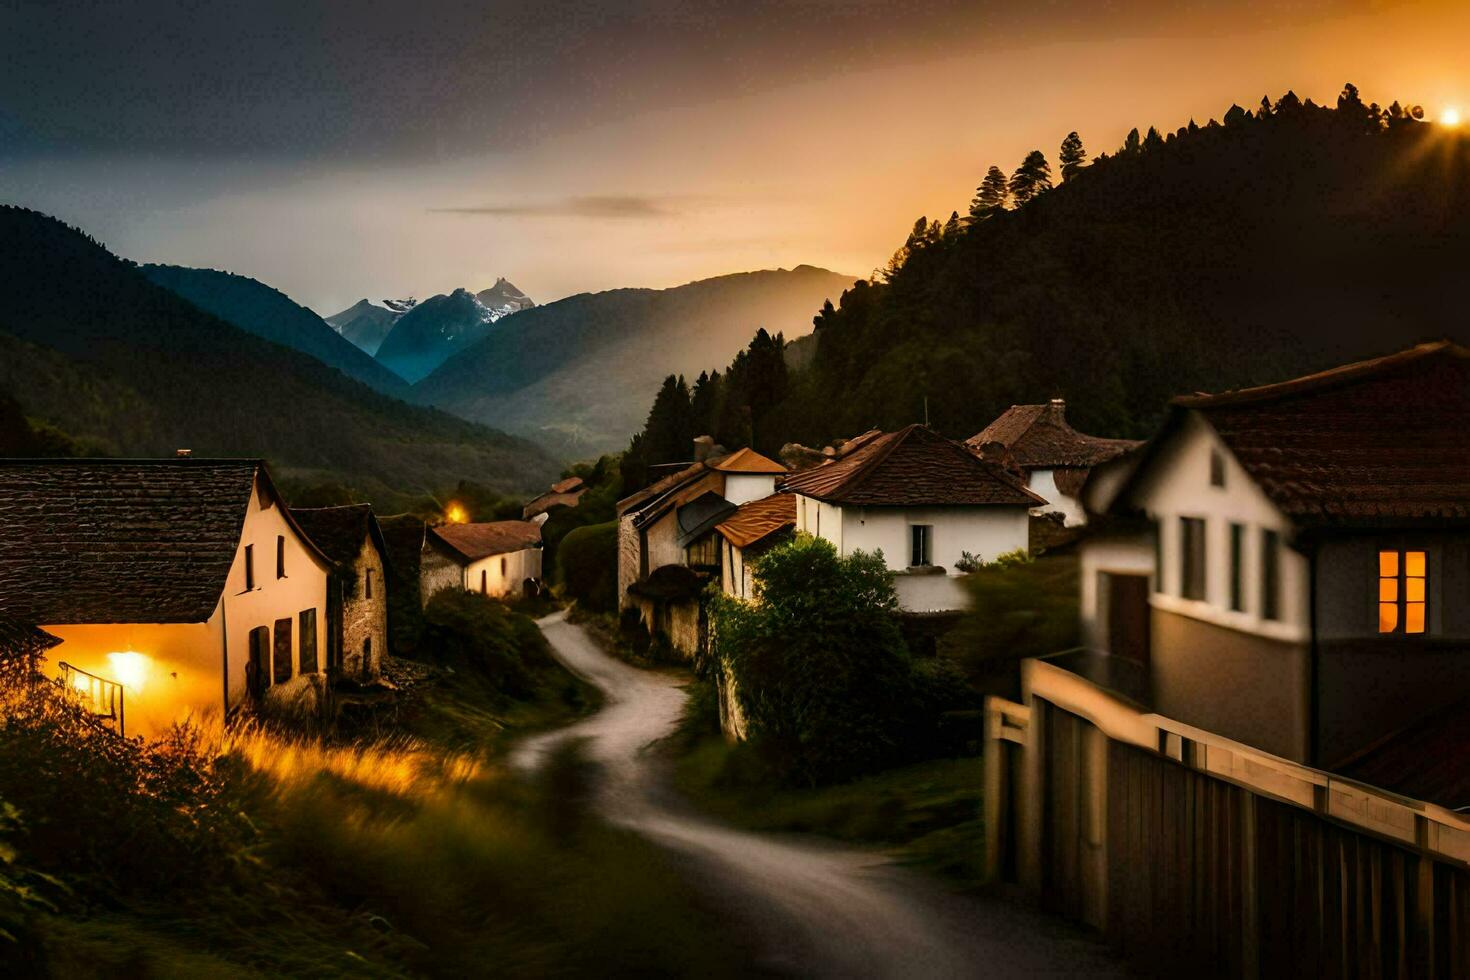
(102, 697)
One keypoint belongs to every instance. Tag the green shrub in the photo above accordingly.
(587, 566)
(822, 672)
(467, 631)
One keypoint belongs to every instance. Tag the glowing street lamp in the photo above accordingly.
(455, 514)
(1450, 116)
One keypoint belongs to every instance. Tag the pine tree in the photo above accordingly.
(704, 403)
(993, 194)
(668, 436)
(1132, 143)
(952, 226)
(1072, 157)
(1153, 140)
(1031, 178)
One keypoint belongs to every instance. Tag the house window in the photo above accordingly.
(1237, 583)
(367, 584)
(484, 582)
(306, 641)
(1402, 589)
(1192, 557)
(1270, 575)
(281, 662)
(280, 556)
(1217, 468)
(921, 543)
(249, 567)
(502, 569)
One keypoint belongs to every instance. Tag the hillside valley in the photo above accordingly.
(573, 374)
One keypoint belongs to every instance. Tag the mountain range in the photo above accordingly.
(572, 374)
(412, 339)
(257, 308)
(91, 345)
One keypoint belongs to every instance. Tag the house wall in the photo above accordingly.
(1044, 484)
(365, 619)
(303, 587)
(735, 572)
(176, 677)
(1370, 684)
(438, 571)
(742, 488)
(1102, 556)
(985, 532)
(661, 538)
(630, 550)
(678, 621)
(1250, 688)
(1178, 485)
(518, 565)
(820, 520)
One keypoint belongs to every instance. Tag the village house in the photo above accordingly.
(748, 532)
(667, 545)
(357, 594)
(178, 589)
(494, 558)
(563, 493)
(1276, 686)
(922, 500)
(1055, 458)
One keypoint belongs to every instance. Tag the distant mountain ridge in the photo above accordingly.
(255, 307)
(366, 323)
(91, 345)
(573, 374)
(434, 330)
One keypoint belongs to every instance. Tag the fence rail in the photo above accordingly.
(102, 697)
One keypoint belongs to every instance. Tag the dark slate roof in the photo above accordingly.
(756, 519)
(340, 531)
(1385, 441)
(403, 537)
(1039, 437)
(120, 541)
(476, 541)
(1429, 761)
(700, 515)
(913, 467)
(19, 639)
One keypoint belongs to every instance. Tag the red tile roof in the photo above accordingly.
(641, 498)
(476, 541)
(1039, 437)
(757, 519)
(1377, 442)
(746, 460)
(913, 467)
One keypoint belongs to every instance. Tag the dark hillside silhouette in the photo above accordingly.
(91, 346)
(1293, 238)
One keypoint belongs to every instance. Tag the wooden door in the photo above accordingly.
(258, 664)
(1128, 616)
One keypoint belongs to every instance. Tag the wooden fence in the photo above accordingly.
(1198, 855)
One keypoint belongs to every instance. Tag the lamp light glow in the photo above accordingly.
(130, 668)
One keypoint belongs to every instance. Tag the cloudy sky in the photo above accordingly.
(341, 150)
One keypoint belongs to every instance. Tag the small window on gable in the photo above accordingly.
(1217, 468)
(1403, 578)
(280, 556)
(921, 545)
(249, 567)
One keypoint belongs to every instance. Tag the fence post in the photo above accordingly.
(1250, 898)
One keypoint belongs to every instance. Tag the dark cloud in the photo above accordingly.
(599, 206)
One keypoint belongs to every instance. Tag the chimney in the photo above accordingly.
(183, 453)
(704, 447)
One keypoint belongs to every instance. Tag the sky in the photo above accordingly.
(385, 149)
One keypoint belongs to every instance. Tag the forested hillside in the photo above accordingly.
(1278, 241)
(572, 374)
(257, 308)
(89, 345)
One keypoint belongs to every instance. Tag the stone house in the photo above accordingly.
(178, 588)
(358, 587)
(495, 558)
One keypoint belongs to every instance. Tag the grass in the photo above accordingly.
(927, 815)
(415, 854)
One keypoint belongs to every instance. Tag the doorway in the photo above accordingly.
(1127, 615)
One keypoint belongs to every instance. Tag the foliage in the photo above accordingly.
(587, 566)
(1207, 258)
(1019, 609)
(1019, 556)
(993, 194)
(1032, 178)
(470, 632)
(1072, 156)
(820, 667)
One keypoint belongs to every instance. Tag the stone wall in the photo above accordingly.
(365, 617)
(437, 572)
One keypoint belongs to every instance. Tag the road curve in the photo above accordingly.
(812, 909)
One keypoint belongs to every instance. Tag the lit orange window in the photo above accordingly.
(1402, 591)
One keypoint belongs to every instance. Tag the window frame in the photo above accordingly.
(1237, 567)
(921, 545)
(250, 568)
(306, 639)
(1217, 469)
(280, 556)
(1189, 568)
(1402, 601)
(1270, 564)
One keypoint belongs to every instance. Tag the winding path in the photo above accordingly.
(812, 909)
